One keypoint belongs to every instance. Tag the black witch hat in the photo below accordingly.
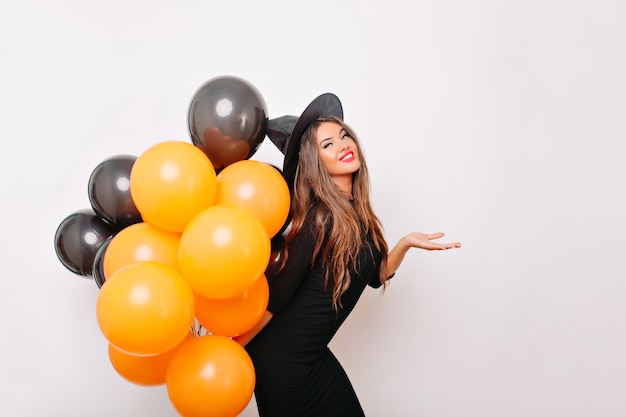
(286, 131)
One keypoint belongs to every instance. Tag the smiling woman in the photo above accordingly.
(499, 122)
(334, 250)
(338, 151)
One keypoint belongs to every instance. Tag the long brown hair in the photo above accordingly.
(340, 223)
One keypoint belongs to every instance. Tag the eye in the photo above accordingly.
(326, 145)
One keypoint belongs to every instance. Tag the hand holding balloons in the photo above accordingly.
(171, 244)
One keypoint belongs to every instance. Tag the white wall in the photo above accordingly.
(500, 123)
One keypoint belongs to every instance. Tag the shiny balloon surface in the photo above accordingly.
(109, 191)
(227, 120)
(98, 263)
(78, 238)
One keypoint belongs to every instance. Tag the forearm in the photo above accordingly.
(396, 256)
(245, 338)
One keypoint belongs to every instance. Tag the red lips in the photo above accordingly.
(348, 157)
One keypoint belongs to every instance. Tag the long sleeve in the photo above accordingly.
(299, 261)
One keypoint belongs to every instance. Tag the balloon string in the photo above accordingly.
(195, 328)
(201, 330)
(198, 330)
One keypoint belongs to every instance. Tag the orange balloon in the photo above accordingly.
(144, 370)
(170, 183)
(236, 315)
(223, 251)
(145, 308)
(210, 376)
(141, 242)
(258, 187)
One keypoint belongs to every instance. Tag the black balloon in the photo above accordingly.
(109, 191)
(276, 255)
(77, 239)
(98, 263)
(227, 120)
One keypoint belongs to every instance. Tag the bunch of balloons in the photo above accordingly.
(79, 236)
(181, 239)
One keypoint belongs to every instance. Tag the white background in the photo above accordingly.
(501, 123)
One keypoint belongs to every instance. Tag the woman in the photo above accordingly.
(333, 250)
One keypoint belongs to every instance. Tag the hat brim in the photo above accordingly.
(326, 104)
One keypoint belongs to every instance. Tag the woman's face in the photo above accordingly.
(338, 153)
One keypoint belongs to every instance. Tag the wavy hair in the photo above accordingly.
(341, 225)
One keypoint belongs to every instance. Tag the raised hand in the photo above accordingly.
(425, 241)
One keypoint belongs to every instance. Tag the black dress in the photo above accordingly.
(297, 375)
